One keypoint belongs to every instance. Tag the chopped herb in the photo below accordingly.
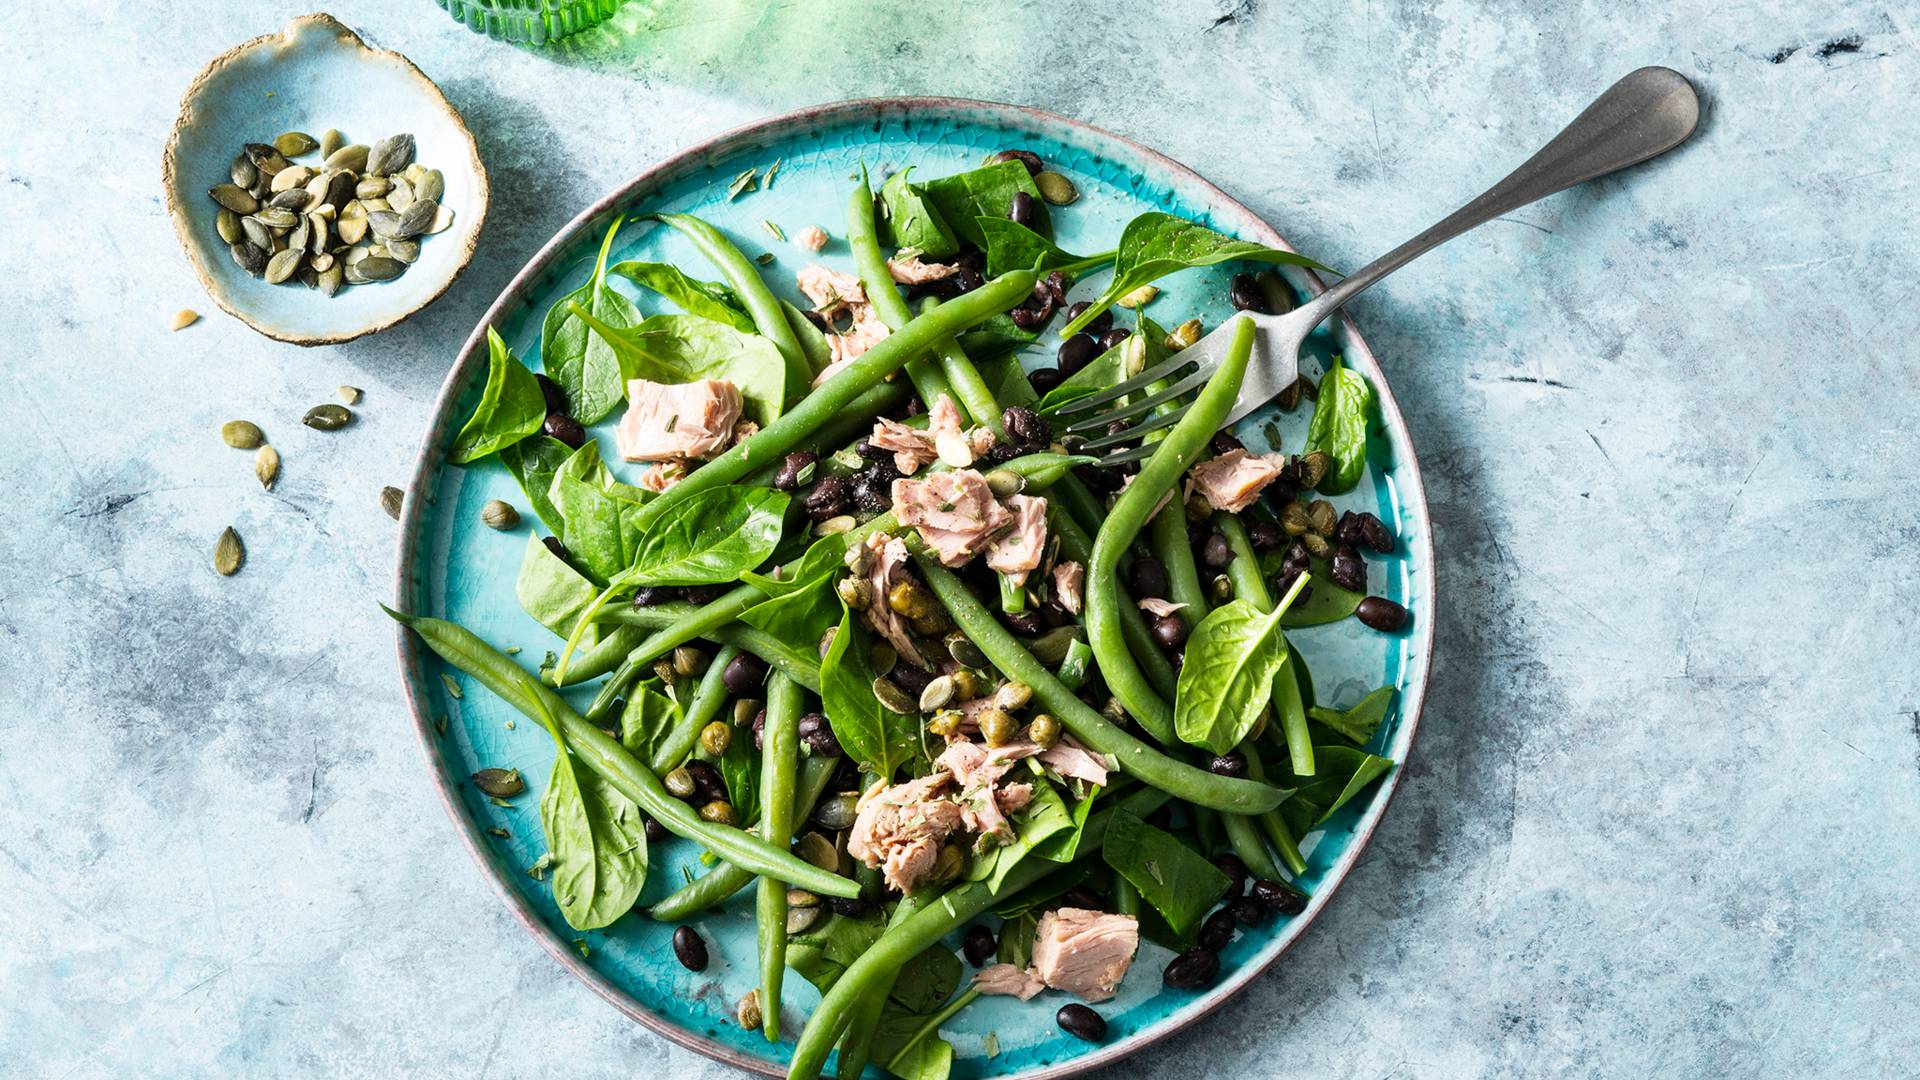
(500, 802)
(510, 725)
(538, 871)
(742, 184)
(687, 872)
(992, 1044)
(512, 650)
(499, 832)
(772, 229)
(673, 422)
(440, 724)
(580, 945)
(765, 258)
(708, 858)
(767, 180)
(453, 688)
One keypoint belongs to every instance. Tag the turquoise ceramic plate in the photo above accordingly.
(452, 566)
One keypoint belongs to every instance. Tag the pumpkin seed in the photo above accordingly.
(242, 434)
(227, 224)
(249, 257)
(316, 185)
(318, 232)
(351, 274)
(290, 178)
(384, 223)
(298, 238)
(407, 251)
(234, 198)
(500, 783)
(799, 921)
(370, 205)
(372, 187)
(882, 657)
(390, 499)
(390, 155)
(352, 157)
(265, 158)
(429, 184)
(400, 195)
(892, 697)
(328, 280)
(228, 553)
(295, 143)
(243, 172)
(340, 187)
(453, 688)
(256, 233)
(500, 515)
(377, 268)
(1183, 336)
(937, 694)
(296, 199)
(1139, 297)
(819, 851)
(350, 394)
(1055, 188)
(1005, 482)
(320, 262)
(834, 526)
(749, 1013)
(442, 220)
(351, 229)
(275, 218)
(266, 466)
(965, 651)
(184, 318)
(282, 265)
(327, 417)
(330, 141)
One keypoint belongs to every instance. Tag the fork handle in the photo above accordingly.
(1643, 115)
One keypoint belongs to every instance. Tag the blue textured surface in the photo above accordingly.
(1661, 817)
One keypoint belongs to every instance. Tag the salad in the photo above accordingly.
(843, 606)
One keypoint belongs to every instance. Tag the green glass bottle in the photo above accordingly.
(534, 22)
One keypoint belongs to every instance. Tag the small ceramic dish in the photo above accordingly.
(314, 75)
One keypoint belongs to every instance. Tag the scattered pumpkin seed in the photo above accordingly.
(266, 466)
(818, 850)
(1139, 297)
(799, 921)
(428, 184)
(256, 233)
(266, 158)
(965, 651)
(390, 499)
(329, 280)
(328, 417)
(390, 155)
(349, 158)
(227, 224)
(243, 172)
(748, 1011)
(377, 268)
(500, 783)
(248, 256)
(349, 394)
(351, 229)
(242, 434)
(500, 515)
(331, 140)
(400, 194)
(406, 251)
(442, 220)
(937, 694)
(1055, 188)
(834, 526)
(1183, 336)
(228, 553)
(416, 216)
(892, 697)
(273, 217)
(234, 198)
(1005, 482)
(453, 688)
(295, 143)
(184, 318)
(289, 179)
(297, 199)
(538, 871)
(283, 264)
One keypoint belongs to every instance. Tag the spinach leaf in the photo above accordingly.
(1362, 720)
(1339, 426)
(1154, 245)
(582, 363)
(930, 1058)
(1044, 818)
(551, 591)
(1325, 602)
(740, 768)
(823, 954)
(595, 513)
(813, 342)
(1231, 660)
(648, 720)
(963, 198)
(533, 463)
(683, 348)
(511, 407)
(707, 299)
(878, 739)
(824, 556)
(595, 836)
(801, 615)
(1044, 890)
(1005, 377)
(927, 981)
(1064, 846)
(1179, 884)
(996, 338)
(1340, 773)
(1108, 369)
(1016, 940)
(1013, 246)
(911, 220)
(710, 538)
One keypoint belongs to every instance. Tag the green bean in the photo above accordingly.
(926, 926)
(975, 397)
(1169, 461)
(1097, 732)
(1167, 538)
(871, 265)
(768, 316)
(779, 759)
(1077, 545)
(592, 663)
(1126, 898)
(726, 879)
(708, 697)
(812, 342)
(857, 1046)
(466, 651)
(1274, 825)
(1206, 828)
(854, 421)
(1251, 586)
(1246, 843)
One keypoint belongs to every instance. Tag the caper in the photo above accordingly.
(716, 737)
(744, 710)
(719, 811)
(1321, 518)
(1313, 467)
(819, 851)
(997, 727)
(1013, 695)
(498, 514)
(1198, 508)
(679, 783)
(965, 651)
(836, 811)
(747, 1012)
(882, 657)
(937, 694)
(801, 919)
(946, 723)
(1317, 545)
(855, 592)
(930, 624)
(903, 597)
(1114, 711)
(1293, 518)
(891, 696)
(663, 670)
(967, 685)
(1220, 589)
(689, 661)
(858, 559)
(1043, 731)
(951, 864)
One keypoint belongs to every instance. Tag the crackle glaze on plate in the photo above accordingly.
(452, 566)
(314, 75)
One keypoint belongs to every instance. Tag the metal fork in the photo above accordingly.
(1643, 115)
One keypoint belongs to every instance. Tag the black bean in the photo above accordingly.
(915, 406)
(1161, 818)
(1215, 552)
(1114, 337)
(978, 945)
(1025, 623)
(1278, 897)
(1031, 317)
(1149, 579)
(1081, 896)
(1025, 157)
(1191, 970)
(1100, 481)
(865, 449)
(760, 729)
(788, 477)
(1381, 613)
(1025, 427)
(869, 494)
(1246, 295)
(656, 832)
(912, 678)
(1224, 441)
(828, 498)
(851, 906)
(1217, 932)
(1347, 569)
(1297, 559)
(1119, 427)
(559, 549)
(690, 948)
(556, 397)
(999, 452)
(701, 595)
(1250, 911)
(649, 595)
(1236, 871)
(1056, 285)
(1232, 764)
(1024, 209)
(1081, 1022)
(1170, 631)
(566, 429)
(1045, 379)
(967, 280)
(818, 736)
(1077, 352)
(1361, 529)
(745, 674)
(1265, 535)
(818, 320)
(1100, 323)
(708, 785)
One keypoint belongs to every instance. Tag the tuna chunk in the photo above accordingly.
(954, 511)
(1157, 507)
(1009, 980)
(889, 568)
(955, 445)
(677, 421)
(811, 237)
(1233, 480)
(663, 476)
(1084, 952)
(912, 447)
(983, 805)
(1075, 762)
(1153, 605)
(1070, 585)
(834, 294)
(1016, 552)
(900, 829)
(911, 271)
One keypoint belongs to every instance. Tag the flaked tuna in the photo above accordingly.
(811, 237)
(835, 294)
(663, 476)
(1153, 605)
(889, 568)
(1074, 761)
(1070, 585)
(1017, 551)
(954, 511)
(1231, 481)
(900, 828)
(955, 445)
(677, 421)
(1008, 980)
(1084, 952)
(984, 805)
(912, 447)
(911, 271)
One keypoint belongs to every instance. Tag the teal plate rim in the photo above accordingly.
(1230, 215)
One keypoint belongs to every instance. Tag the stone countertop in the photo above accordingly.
(1662, 816)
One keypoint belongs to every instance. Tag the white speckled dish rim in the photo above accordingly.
(1233, 218)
